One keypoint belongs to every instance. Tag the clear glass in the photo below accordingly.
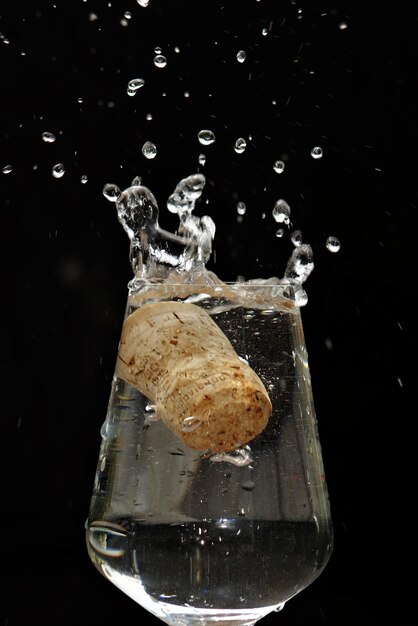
(193, 540)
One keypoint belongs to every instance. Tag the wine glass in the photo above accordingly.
(198, 536)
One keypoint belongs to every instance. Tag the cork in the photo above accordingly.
(179, 358)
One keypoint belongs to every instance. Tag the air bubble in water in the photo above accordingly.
(134, 85)
(84, 179)
(160, 60)
(149, 150)
(279, 167)
(316, 152)
(58, 170)
(143, 3)
(48, 137)
(202, 159)
(7, 169)
(111, 192)
(206, 137)
(296, 238)
(241, 208)
(240, 145)
(281, 212)
(239, 457)
(241, 56)
(333, 244)
(190, 424)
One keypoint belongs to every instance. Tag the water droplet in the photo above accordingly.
(239, 457)
(279, 167)
(93, 17)
(160, 60)
(84, 179)
(111, 192)
(48, 137)
(202, 159)
(206, 137)
(186, 94)
(342, 25)
(264, 32)
(123, 22)
(80, 100)
(158, 50)
(176, 49)
(143, 3)
(280, 232)
(7, 169)
(241, 56)
(240, 145)
(128, 15)
(148, 117)
(149, 150)
(316, 152)
(58, 170)
(296, 237)
(134, 85)
(189, 424)
(281, 212)
(333, 244)
(300, 264)
(241, 208)
(186, 193)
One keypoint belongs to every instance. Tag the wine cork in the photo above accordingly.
(176, 356)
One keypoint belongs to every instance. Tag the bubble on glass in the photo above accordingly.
(160, 60)
(241, 56)
(241, 208)
(84, 179)
(149, 150)
(48, 137)
(111, 192)
(206, 137)
(281, 212)
(296, 237)
(202, 159)
(240, 145)
(134, 85)
(279, 167)
(7, 169)
(58, 170)
(316, 152)
(190, 424)
(333, 244)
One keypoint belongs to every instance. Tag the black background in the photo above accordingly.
(65, 261)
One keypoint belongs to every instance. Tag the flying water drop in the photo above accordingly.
(279, 167)
(316, 152)
(300, 264)
(149, 150)
(84, 179)
(280, 232)
(281, 212)
(111, 192)
(134, 85)
(333, 244)
(58, 170)
(206, 137)
(7, 169)
(143, 3)
(202, 159)
(296, 238)
(241, 56)
(48, 137)
(160, 61)
(240, 145)
(241, 208)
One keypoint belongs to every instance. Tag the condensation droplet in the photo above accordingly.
(189, 424)
(241, 208)
(48, 137)
(281, 212)
(111, 192)
(84, 179)
(202, 159)
(58, 170)
(279, 167)
(206, 137)
(333, 244)
(149, 150)
(160, 60)
(241, 56)
(316, 152)
(296, 238)
(240, 145)
(7, 169)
